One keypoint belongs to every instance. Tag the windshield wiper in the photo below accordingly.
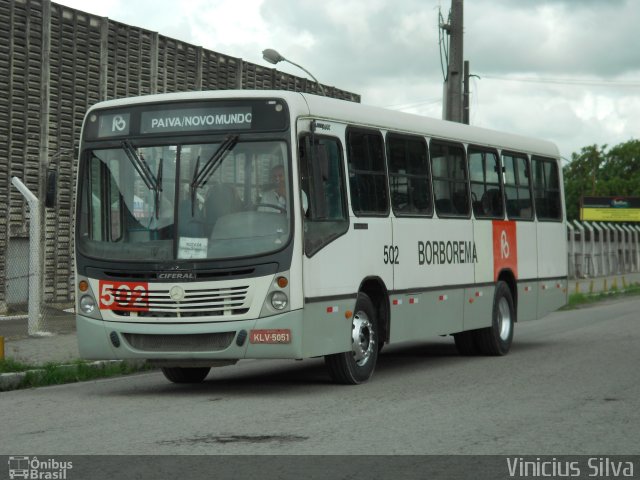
(158, 189)
(142, 167)
(193, 190)
(201, 177)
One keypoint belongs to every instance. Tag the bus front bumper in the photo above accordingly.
(278, 336)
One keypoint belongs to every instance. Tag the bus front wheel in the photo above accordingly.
(185, 375)
(357, 365)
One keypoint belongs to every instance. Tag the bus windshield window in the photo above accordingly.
(145, 204)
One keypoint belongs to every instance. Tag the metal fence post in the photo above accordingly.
(635, 252)
(589, 257)
(35, 250)
(571, 251)
(580, 264)
(636, 242)
(629, 260)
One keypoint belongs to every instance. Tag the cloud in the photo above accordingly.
(554, 37)
(355, 42)
(388, 52)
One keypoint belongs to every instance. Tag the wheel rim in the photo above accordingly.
(362, 338)
(504, 319)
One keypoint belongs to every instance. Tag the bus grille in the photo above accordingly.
(198, 342)
(209, 302)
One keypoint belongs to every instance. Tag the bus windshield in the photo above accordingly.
(184, 201)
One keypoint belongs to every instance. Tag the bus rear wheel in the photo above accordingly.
(496, 339)
(357, 365)
(186, 375)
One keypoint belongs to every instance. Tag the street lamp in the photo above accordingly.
(271, 56)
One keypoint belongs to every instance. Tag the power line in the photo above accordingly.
(565, 81)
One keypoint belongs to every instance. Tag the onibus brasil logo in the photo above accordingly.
(32, 468)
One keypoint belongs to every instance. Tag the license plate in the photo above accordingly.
(270, 336)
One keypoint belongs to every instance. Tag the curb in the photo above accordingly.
(13, 380)
(596, 285)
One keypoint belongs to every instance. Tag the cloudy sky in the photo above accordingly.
(564, 70)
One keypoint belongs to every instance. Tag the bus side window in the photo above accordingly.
(516, 186)
(367, 173)
(409, 178)
(546, 186)
(486, 188)
(449, 170)
(322, 182)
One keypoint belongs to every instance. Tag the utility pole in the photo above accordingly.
(453, 101)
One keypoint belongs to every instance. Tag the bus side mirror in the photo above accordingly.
(51, 187)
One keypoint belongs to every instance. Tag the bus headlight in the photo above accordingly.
(87, 304)
(279, 300)
(276, 300)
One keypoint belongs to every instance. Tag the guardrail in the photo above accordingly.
(598, 249)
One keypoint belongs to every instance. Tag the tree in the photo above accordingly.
(581, 177)
(596, 171)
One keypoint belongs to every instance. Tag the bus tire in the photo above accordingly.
(357, 365)
(466, 343)
(186, 375)
(496, 339)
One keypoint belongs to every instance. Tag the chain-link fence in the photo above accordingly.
(29, 312)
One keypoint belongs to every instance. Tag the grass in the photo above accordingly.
(10, 365)
(577, 300)
(77, 371)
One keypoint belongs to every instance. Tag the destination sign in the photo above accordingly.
(196, 120)
(188, 118)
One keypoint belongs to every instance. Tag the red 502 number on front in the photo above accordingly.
(130, 296)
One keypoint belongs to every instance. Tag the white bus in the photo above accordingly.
(227, 225)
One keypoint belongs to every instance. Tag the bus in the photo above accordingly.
(226, 225)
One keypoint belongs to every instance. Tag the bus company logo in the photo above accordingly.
(119, 124)
(33, 468)
(505, 248)
(504, 245)
(176, 276)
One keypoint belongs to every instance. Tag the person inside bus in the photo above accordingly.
(275, 198)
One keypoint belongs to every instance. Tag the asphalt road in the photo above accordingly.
(571, 385)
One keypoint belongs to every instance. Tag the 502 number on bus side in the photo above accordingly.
(391, 255)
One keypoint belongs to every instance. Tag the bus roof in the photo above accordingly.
(331, 109)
